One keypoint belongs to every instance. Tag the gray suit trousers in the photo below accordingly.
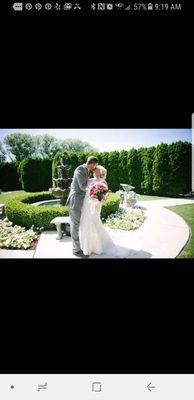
(75, 216)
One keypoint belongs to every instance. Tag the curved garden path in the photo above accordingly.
(163, 235)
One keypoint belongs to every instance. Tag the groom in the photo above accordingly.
(76, 198)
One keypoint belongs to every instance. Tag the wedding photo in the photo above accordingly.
(96, 193)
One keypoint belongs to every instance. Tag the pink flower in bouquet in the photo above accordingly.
(98, 191)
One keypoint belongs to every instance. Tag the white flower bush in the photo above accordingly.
(126, 219)
(15, 237)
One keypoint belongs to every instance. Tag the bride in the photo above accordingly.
(93, 236)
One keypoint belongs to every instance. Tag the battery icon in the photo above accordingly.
(18, 6)
(150, 6)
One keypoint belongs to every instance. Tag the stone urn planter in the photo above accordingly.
(128, 197)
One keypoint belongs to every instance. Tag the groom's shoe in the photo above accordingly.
(80, 253)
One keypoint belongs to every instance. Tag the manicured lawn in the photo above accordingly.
(187, 213)
(6, 196)
(143, 197)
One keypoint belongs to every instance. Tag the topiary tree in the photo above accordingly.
(9, 178)
(180, 167)
(122, 167)
(161, 170)
(113, 179)
(147, 170)
(72, 162)
(35, 174)
(104, 157)
(134, 169)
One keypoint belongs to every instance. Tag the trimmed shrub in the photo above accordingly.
(35, 174)
(110, 206)
(21, 212)
(9, 179)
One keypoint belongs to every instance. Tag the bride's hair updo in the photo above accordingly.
(103, 171)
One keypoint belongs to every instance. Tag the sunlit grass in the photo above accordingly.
(6, 196)
(187, 213)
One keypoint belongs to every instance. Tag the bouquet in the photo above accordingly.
(98, 191)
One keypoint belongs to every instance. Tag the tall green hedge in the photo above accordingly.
(164, 170)
(172, 168)
(35, 174)
(9, 179)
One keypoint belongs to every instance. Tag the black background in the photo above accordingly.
(65, 316)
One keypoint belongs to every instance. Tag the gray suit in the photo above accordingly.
(75, 202)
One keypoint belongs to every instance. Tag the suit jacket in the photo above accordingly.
(78, 188)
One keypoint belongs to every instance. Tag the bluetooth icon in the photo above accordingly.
(57, 7)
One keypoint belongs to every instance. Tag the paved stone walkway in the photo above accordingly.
(163, 235)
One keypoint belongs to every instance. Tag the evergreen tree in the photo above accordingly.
(113, 179)
(161, 170)
(134, 169)
(147, 170)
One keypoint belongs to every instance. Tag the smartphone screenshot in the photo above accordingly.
(96, 200)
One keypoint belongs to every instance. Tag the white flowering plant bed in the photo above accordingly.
(126, 219)
(16, 237)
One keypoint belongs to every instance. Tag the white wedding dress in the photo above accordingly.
(93, 236)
